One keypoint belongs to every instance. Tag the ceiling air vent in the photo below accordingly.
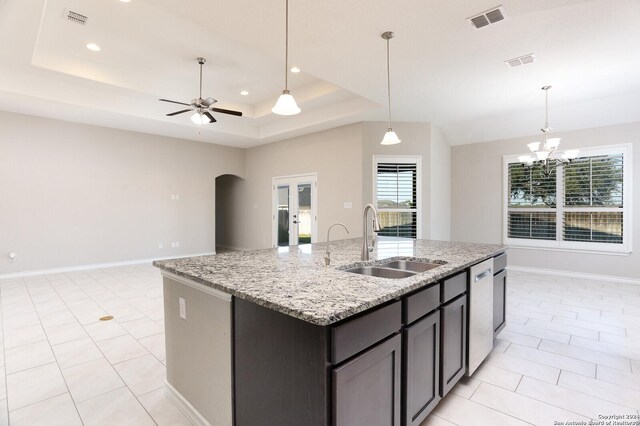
(76, 17)
(488, 17)
(521, 60)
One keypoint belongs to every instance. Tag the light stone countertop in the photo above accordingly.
(293, 280)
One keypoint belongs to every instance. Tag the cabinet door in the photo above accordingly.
(421, 371)
(366, 390)
(499, 302)
(453, 344)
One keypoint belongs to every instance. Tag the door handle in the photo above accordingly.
(482, 275)
(295, 221)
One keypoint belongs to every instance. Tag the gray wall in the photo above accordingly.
(440, 186)
(477, 201)
(75, 194)
(334, 154)
(229, 207)
(416, 140)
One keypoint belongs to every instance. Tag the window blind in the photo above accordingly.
(397, 198)
(579, 205)
(532, 202)
(594, 199)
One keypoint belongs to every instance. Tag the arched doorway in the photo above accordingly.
(228, 213)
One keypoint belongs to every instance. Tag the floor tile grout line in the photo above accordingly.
(565, 408)
(4, 357)
(54, 354)
(120, 376)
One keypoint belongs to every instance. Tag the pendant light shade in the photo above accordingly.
(390, 138)
(286, 105)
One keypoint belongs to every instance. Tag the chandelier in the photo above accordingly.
(548, 155)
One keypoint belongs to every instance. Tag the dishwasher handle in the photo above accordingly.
(481, 275)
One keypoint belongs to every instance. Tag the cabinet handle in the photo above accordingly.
(482, 275)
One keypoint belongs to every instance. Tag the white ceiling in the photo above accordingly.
(443, 70)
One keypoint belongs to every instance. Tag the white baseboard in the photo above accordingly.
(572, 274)
(64, 269)
(184, 406)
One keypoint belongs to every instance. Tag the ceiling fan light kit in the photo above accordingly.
(202, 107)
(390, 138)
(549, 156)
(286, 104)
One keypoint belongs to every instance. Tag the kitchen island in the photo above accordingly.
(275, 337)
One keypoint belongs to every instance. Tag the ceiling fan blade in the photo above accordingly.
(209, 101)
(227, 111)
(208, 114)
(178, 112)
(174, 102)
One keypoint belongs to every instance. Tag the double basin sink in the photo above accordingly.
(395, 269)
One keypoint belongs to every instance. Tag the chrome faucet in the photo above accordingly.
(366, 249)
(327, 256)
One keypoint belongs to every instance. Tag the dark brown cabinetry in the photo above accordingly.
(388, 366)
(453, 343)
(421, 381)
(366, 389)
(499, 293)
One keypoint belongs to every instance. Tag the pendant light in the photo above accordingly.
(548, 155)
(286, 105)
(390, 138)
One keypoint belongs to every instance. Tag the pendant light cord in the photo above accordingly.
(286, 47)
(200, 81)
(388, 84)
(546, 108)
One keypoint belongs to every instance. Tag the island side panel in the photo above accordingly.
(199, 349)
(281, 369)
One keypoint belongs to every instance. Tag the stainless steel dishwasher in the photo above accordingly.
(480, 314)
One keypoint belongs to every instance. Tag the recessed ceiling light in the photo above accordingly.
(93, 47)
(295, 69)
(244, 93)
(125, 1)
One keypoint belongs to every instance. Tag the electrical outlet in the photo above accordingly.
(160, 245)
(183, 308)
(12, 257)
(177, 243)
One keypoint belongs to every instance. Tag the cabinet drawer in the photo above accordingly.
(454, 286)
(421, 303)
(354, 336)
(499, 263)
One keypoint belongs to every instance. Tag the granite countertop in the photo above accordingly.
(293, 280)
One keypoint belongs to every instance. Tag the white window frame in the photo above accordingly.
(559, 244)
(401, 159)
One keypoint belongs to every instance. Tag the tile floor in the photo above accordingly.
(570, 352)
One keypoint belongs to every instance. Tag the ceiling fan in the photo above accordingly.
(202, 107)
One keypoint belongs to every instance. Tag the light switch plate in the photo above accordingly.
(348, 205)
(183, 308)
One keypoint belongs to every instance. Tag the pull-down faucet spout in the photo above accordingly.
(366, 249)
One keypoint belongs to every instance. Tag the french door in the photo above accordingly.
(295, 217)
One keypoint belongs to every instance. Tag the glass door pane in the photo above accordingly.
(304, 213)
(283, 215)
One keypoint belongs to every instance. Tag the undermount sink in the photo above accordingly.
(376, 271)
(410, 265)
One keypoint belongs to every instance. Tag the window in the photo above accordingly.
(396, 195)
(583, 205)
